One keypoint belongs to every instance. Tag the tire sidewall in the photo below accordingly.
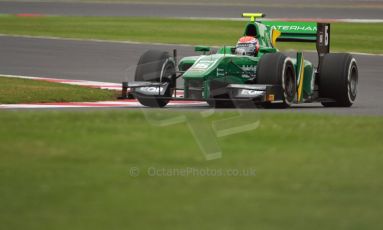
(272, 70)
(338, 80)
(288, 66)
(352, 67)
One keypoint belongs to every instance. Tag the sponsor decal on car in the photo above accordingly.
(251, 93)
(202, 65)
(249, 68)
(220, 72)
(295, 28)
(151, 90)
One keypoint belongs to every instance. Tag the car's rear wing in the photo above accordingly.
(318, 33)
(290, 31)
(294, 31)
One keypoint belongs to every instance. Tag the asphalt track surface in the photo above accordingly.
(115, 62)
(181, 10)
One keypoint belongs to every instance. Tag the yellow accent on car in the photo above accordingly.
(271, 97)
(274, 36)
(253, 16)
(301, 74)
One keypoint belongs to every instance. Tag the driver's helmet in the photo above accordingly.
(247, 46)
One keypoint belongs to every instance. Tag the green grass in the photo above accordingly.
(70, 170)
(15, 90)
(345, 36)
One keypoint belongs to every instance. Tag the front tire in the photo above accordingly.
(277, 69)
(156, 66)
(338, 80)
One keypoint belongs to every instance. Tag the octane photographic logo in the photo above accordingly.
(204, 126)
(192, 172)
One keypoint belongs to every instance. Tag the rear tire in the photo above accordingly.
(277, 69)
(156, 66)
(338, 80)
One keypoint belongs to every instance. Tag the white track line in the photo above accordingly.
(85, 83)
(90, 84)
(99, 104)
(130, 103)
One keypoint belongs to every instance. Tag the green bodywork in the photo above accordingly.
(229, 68)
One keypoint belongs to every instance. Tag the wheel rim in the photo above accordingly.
(289, 85)
(169, 75)
(352, 81)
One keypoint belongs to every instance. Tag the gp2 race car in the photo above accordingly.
(253, 71)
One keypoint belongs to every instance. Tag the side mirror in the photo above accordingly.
(203, 49)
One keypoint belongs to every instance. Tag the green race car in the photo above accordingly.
(253, 71)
